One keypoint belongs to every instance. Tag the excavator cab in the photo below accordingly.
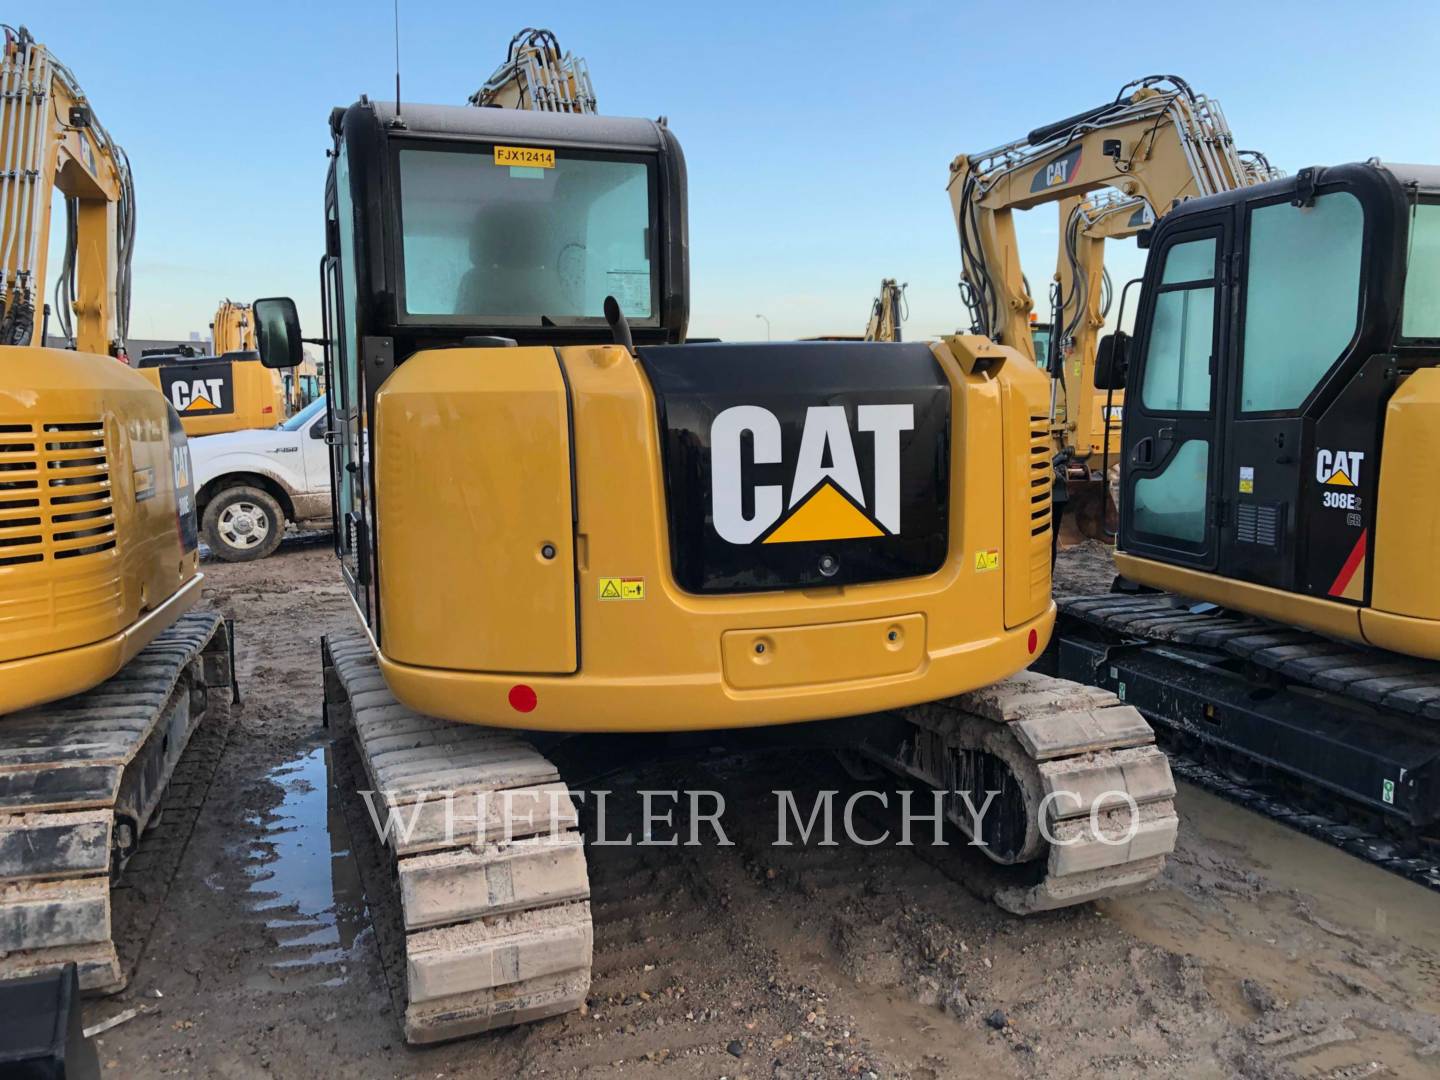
(1283, 401)
(645, 534)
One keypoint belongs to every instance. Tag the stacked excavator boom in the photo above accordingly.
(50, 137)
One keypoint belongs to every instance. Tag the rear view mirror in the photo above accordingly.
(277, 332)
(1112, 361)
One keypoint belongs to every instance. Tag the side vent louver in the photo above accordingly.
(1041, 475)
(55, 492)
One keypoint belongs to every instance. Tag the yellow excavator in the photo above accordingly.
(227, 391)
(233, 332)
(887, 313)
(1156, 145)
(556, 518)
(1280, 607)
(103, 673)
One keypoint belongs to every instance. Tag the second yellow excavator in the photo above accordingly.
(103, 673)
(1277, 484)
(556, 517)
(228, 391)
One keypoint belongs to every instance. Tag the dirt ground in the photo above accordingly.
(1260, 953)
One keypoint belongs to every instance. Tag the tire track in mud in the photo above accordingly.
(807, 957)
(682, 983)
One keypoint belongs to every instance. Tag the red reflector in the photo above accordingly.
(268, 408)
(1034, 641)
(522, 698)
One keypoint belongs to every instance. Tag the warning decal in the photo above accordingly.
(987, 560)
(622, 588)
(1349, 584)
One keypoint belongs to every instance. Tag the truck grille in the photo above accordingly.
(55, 492)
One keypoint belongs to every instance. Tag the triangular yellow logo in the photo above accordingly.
(200, 402)
(611, 591)
(825, 514)
(1340, 479)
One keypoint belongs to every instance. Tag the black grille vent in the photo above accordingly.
(1259, 524)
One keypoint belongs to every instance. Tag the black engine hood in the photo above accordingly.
(802, 464)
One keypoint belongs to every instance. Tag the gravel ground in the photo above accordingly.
(1259, 953)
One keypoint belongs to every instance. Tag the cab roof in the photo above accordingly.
(522, 125)
(1424, 177)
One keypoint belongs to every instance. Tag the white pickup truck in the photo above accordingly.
(251, 483)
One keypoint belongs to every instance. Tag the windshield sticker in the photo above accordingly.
(530, 156)
(631, 288)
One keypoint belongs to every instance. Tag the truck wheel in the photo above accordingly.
(243, 523)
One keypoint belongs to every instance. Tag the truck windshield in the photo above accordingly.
(303, 417)
(507, 243)
(1421, 317)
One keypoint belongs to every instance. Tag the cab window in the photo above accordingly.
(1302, 298)
(1182, 331)
(503, 243)
(1422, 277)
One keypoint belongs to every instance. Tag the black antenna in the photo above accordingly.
(397, 59)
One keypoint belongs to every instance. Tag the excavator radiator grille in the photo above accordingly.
(1042, 480)
(1041, 476)
(55, 492)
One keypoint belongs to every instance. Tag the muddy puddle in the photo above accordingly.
(1325, 962)
(1328, 889)
(301, 879)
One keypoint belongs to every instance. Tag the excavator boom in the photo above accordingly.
(887, 313)
(1110, 170)
(537, 75)
(50, 136)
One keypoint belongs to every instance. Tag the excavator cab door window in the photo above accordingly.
(1171, 440)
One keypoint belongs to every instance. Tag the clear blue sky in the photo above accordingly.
(817, 135)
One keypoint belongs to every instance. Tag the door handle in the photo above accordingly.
(1144, 452)
(334, 438)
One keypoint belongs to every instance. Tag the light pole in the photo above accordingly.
(767, 326)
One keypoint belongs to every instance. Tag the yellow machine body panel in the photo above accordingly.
(95, 508)
(477, 565)
(1404, 612)
(1325, 616)
(215, 396)
(650, 656)
(1404, 609)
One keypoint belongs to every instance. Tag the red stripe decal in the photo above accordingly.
(1357, 556)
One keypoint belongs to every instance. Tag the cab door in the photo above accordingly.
(346, 435)
(1290, 500)
(1172, 436)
